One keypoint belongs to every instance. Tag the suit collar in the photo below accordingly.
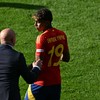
(6, 45)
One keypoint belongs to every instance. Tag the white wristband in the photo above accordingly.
(37, 67)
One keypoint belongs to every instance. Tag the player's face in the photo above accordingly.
(39, 25)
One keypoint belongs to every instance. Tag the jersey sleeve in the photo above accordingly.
(40, 42)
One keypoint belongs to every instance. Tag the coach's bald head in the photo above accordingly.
(7, 36)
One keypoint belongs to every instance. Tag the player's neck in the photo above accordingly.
(47, 27)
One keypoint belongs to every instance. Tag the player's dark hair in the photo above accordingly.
(44, 14)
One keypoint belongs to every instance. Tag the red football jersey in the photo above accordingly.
(50, 45)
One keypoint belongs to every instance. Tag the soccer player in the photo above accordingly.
(51, 47)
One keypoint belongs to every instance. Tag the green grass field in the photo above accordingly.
(80, 19)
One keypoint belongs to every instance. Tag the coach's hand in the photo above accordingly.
(37, 64)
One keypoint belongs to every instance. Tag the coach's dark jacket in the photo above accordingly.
(12, 65)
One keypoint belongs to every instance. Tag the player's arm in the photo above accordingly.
(39, 48)
(39, 57)
(65, 56)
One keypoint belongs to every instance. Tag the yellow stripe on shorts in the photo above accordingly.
(30, 95)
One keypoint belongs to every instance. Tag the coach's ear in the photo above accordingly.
(13, 41)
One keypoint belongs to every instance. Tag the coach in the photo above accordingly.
(12, 65)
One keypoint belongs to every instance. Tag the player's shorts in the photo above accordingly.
(36, 92)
